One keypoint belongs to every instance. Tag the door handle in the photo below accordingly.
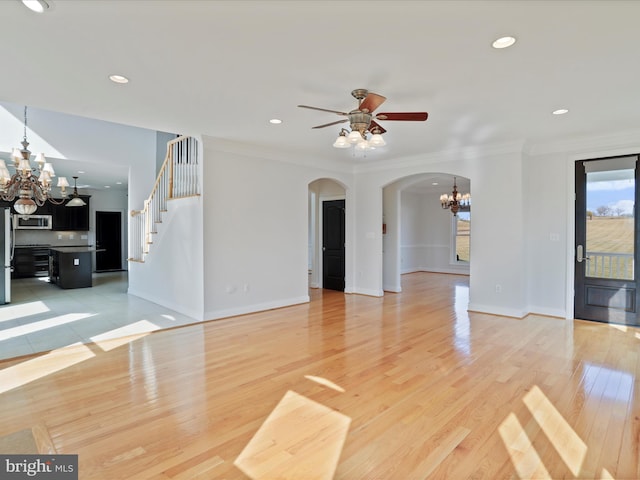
(580, 254)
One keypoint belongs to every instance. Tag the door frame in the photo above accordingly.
(124, 234)
(319, 237)
(581, 280)
(571, 159)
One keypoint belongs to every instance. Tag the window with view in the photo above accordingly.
(461, 236)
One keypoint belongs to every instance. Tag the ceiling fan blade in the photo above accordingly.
(373, 125)
(371, 102)
(404, 116)
(323, 110)
(332, 123)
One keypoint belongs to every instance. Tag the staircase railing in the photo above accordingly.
(178, 178)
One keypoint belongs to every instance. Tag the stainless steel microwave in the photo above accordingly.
(32, 222)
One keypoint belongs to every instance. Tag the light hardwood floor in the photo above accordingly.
(408, 386)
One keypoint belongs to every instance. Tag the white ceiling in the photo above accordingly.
(224, 68)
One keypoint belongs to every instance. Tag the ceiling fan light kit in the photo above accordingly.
(362, 122)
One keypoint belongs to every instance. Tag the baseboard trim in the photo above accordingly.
(257, 307)
(170, 305)
(493, 310)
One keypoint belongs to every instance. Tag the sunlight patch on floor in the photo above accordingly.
(12, 312)
(325, 382)
(605, 475)
(39, 367)
(523, 455)
(120, 336)
(599, 380)
(299, 439)
(42, 325)
(108, 343)
(622, 328)
(567, 443)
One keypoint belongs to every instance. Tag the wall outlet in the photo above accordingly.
(83, 237)
(59, 237)
(246, 288)
(498, 288)
(76, 261)
(71, 236)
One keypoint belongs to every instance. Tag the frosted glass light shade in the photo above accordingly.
(377, 140)
(49, 168)
(341, 142)
(354, 137)
(25, 206)
(363, 145)
(75, 202)
(24, 165)
(16, 155)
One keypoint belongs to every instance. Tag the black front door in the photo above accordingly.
(606, 249)
(108, 241)
(333, 244)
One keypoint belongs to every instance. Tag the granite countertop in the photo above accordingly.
(73, 249)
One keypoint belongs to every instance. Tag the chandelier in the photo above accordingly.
(456, 201)
(31, 186)
(360, 126)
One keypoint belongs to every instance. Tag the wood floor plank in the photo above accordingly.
(426, 389)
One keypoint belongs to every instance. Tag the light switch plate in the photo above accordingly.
(76, 261)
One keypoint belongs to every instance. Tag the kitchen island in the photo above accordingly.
(70, 267)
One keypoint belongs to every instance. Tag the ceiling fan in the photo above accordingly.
(363, 121)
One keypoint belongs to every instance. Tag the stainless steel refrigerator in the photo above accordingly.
(6, 254)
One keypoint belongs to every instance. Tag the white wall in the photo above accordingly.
(172, 274)
(256, 228)
(498, 273)
(547, 242)
(392, 258)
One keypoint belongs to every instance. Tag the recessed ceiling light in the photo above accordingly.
(503, 42)
(37, 6)
(81, 171)
(275, 121)
(107, 186)
(118, 79)
(434, 183)
(560, 111)
(118, 183)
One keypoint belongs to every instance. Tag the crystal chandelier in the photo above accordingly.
(456, 201)
(31, 186)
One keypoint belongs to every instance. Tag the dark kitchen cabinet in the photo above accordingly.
(23, 263)
(71, 267)
(30, 262)
(71, 218)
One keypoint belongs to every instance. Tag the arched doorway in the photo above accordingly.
(327, 255)
(419, 235)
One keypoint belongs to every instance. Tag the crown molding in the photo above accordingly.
(466, 153)
(625, 141)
